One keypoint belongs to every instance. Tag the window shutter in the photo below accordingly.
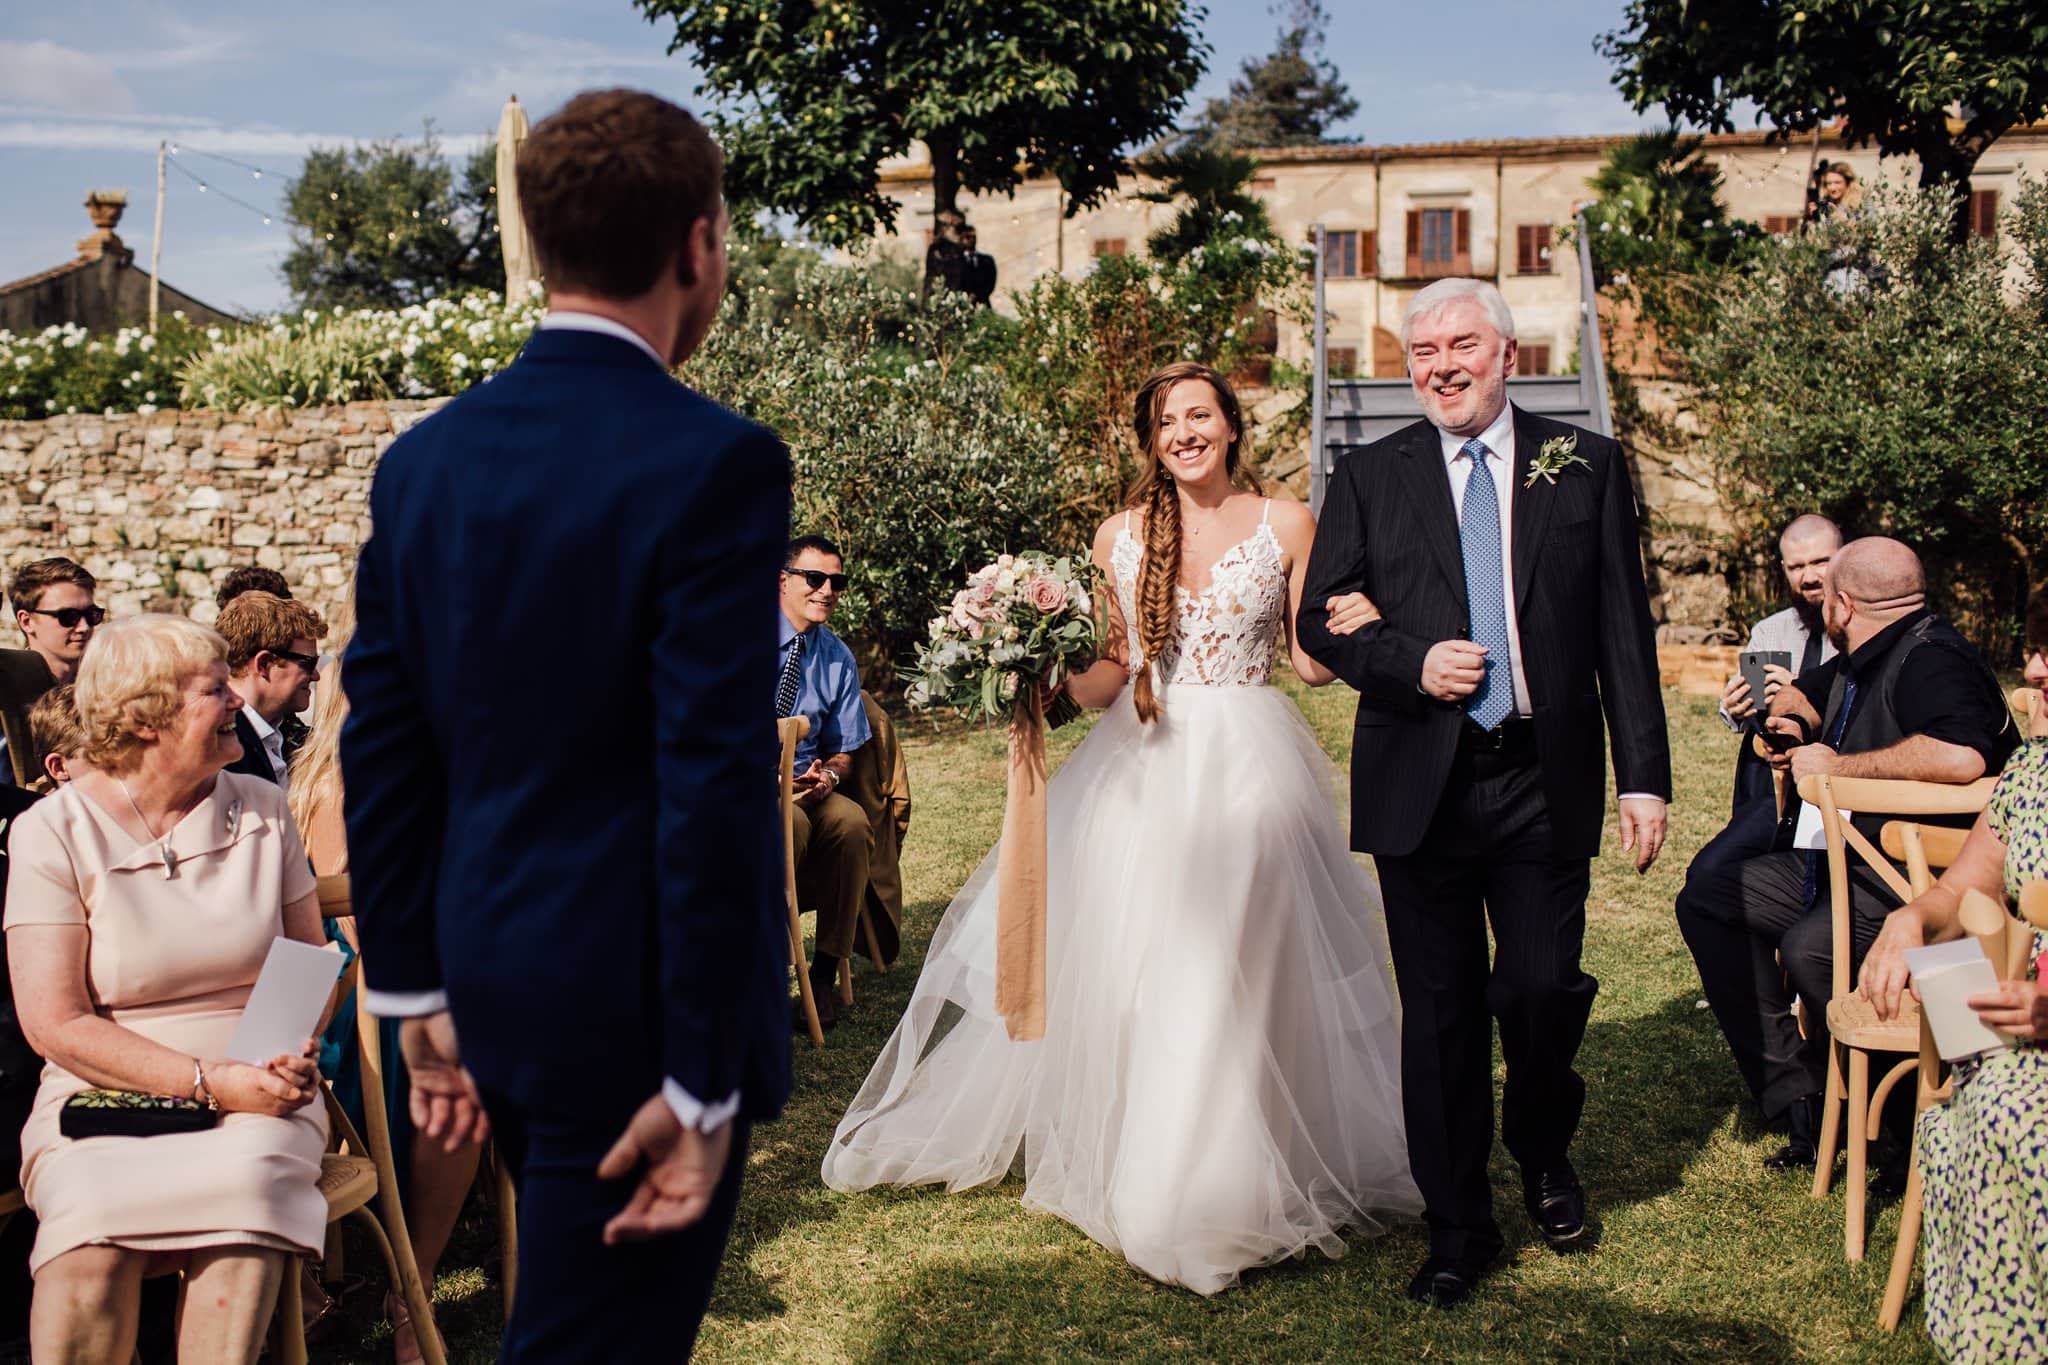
(1109, 246)
(1461, 263)
(1414, 243)
(1781, 224)
(1984, 212)
(1525, 248)
(1532, 357)
(1541, 265)
(1343, 362)
(1368, 254)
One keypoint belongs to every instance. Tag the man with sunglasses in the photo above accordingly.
(273, 662)
(816, 678)
(53, 605)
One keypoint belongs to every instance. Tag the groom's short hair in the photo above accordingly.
(1444, 293)
(610, 186)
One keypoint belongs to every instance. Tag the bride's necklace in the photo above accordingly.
(163, 841)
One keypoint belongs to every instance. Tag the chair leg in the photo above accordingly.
(508, 1230)
(846, 981)
(291, 1314)
(1830, 1124)
(1858, 1191)
(417, 1302)
(803, 977)
(1903, 1254)
(867, 924)
(332, 1268)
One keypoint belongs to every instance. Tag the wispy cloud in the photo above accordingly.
(47, 75)
(544, 69)
(35, 130)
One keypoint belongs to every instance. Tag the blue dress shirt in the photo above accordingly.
(828, 693)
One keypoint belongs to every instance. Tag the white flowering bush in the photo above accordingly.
(65, 369)
(439, 347)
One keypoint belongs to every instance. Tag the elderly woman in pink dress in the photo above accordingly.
(141, 901)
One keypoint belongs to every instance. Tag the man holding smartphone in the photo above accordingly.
(816, 678)
(1796, 633)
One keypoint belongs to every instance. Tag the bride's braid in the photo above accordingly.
(1158, 496)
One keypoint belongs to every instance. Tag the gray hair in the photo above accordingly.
(1436, 297)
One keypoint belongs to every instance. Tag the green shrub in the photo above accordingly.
(905, 450)
(1880, 373)
(65, 369)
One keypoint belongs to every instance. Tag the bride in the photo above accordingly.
(1218, 1086)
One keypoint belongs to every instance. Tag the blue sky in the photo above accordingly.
(88, 87)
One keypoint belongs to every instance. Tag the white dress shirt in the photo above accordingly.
(1499, 439)
(269, 737)
(690, 1111)
(591, 322)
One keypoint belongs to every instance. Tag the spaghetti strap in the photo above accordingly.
(1127, 521)
(1265, 511)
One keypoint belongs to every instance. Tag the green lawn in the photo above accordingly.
(1703, 1255)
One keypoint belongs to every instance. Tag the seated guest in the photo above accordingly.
(273, 645)
(59, 736)
(53, 606)
(880, 785)
(1983, 1166)
(1803, 553)
(142, 899)
(251, 578)
(437, 1180)
(816, 678)
(1907, 697)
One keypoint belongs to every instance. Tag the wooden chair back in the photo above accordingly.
(1926, 850)
(1875, 796)
(789, 732)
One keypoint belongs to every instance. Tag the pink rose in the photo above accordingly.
(974, 627)
(1046, 595)
(986, 589)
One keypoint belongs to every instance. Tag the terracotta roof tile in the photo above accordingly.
(50, 274)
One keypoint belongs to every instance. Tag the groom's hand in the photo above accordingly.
(1453, 669)
(1642, 828)
(682, 1168)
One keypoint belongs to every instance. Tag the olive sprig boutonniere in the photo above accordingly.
(1558, 454)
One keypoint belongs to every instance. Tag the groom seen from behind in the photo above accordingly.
(1501, 550)
(592, 904)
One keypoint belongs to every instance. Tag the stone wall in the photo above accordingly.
(160, 507)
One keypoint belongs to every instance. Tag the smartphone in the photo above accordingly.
(1754, 662)
(1778, 742)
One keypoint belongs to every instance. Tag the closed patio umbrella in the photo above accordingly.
(519, 269)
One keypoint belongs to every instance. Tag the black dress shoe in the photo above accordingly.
(1443, 1281)
(826, 998)
(1802, 1148)
(1556, 1204)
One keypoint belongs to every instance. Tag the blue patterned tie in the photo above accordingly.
(787, 686)
(1485, 599)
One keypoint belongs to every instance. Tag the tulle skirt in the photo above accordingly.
(1219, 1082)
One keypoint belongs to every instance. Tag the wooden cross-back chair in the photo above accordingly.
(360, 1172)
(2007, 944)
(1856, 1034)
(789, 732)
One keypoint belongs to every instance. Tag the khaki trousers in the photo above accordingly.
(831, 844)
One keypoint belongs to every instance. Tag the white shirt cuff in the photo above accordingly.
(404, 1004)
(692, 1112)
(1642, 796)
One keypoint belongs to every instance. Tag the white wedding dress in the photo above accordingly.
(1219, 1082)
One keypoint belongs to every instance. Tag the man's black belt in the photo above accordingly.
(1515, 735)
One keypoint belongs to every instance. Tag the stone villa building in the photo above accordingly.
(1399, 216)
(100, 288)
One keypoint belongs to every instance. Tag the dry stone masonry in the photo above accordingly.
(160, 507)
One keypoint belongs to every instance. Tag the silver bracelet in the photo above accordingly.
(202, 1093)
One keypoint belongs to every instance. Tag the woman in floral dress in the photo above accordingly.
(1984, 1154)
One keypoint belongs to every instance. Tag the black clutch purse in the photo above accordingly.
(131, 1113)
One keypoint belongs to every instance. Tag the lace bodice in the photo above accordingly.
(1230, 630)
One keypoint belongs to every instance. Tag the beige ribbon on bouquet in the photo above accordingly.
(1020, 877)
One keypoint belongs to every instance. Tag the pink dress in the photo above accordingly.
(172, 958)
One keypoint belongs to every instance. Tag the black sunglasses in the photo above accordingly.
(309, 662)
(818, 578)
(69, 617)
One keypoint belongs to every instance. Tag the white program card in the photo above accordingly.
(1811, 831)
(287, 1001)
(1947, 976)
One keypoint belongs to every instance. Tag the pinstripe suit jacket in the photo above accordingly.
(1389, 530)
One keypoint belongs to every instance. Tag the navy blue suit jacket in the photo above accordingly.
(558, 760)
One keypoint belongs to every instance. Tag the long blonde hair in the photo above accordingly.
(1158, 496)
(314, 779)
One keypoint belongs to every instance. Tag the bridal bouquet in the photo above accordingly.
(1025, 619)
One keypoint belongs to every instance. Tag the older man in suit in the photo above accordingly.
(585, 915)
(1501, 550)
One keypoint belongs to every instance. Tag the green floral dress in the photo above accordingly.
(1984, 1154)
